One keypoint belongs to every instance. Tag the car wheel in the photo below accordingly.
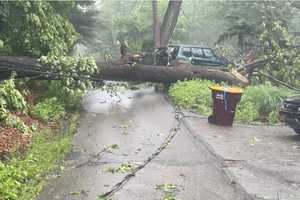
(297, 131)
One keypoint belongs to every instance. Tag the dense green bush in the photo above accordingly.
(10, 97)
(259, 103)
(49, 109)
(194, 94)
(12, 100)
(265, 99)
(36, 28)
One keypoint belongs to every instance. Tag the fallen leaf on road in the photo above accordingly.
(75, 193)
(167, 187)
(123, 168)
(254, 140)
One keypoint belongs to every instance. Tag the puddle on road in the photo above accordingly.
(102, 101)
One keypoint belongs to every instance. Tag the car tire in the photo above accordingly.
(297, 131)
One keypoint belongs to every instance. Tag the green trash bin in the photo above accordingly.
(225, 100)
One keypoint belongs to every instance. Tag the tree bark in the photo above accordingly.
(29, 67)
(156, 24)
(169, 21)
(163, 74)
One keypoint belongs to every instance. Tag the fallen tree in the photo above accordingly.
(119, 71)
(163, 74)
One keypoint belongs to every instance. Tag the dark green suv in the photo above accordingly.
(196, 55)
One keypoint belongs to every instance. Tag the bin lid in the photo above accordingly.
(235, 90)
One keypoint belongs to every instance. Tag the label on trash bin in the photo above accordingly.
(220, 96)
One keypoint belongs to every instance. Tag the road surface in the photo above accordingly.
(134, 125)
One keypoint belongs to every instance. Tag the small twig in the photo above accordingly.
(99, 154)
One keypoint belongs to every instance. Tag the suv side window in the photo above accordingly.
(187, 52)
(197, 52)
(208, 53)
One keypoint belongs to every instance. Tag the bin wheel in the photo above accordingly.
(297, 131)
(211, 119)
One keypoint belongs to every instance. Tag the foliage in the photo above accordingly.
(266, 100)
(11, 100)
(39, 28)
(247, 21)
(23, 178)
(10, 97)
(194, 94)
(15, 122)
(42, 28)
(289, 72)
(123, 168)
(169, 191)
(49, 109)
(167, 187)
(108, 22)
(258, 102)
(74, 75)
(1, 44)
(266, 27)
(36, 28)
(93, 27)
(247, 112)
(136, 29)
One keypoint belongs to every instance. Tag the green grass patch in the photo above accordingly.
(258, 103)
(24, 177)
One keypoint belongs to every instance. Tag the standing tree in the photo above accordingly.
(163, 32)
(169, 21)
(156, 24)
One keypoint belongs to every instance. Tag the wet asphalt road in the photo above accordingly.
(137, 123)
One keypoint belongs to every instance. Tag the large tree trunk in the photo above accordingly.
(163, 74)
(156, 24)
(169, 21)
(29, 67)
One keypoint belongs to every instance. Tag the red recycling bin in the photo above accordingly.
(225, 100)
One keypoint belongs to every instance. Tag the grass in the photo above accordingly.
(258, 103)
(23, 177)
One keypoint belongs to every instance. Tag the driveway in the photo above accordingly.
(264, 160)
(117, 134)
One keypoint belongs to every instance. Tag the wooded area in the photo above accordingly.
(53, 52)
